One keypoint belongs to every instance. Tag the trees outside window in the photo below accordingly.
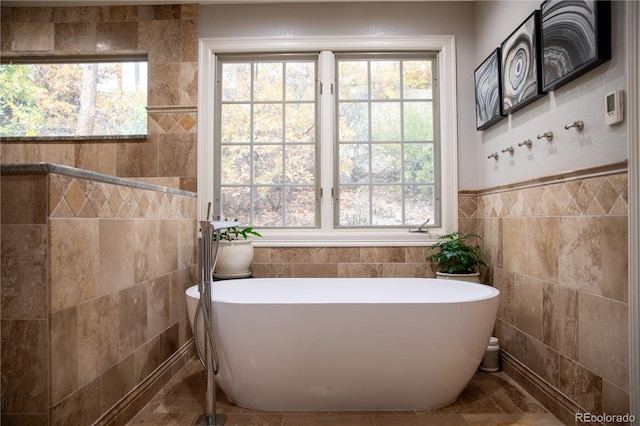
(88, 99)
(384, 142)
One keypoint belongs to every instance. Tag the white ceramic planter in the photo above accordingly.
(473, 278)
(234, 259)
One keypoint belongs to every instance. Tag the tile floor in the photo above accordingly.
(490, 399)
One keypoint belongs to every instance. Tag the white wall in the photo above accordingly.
(361, 18)
(581, 99)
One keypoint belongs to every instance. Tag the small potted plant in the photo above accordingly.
(456, 258)
(235, 252)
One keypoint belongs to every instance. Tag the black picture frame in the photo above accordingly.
(576, 37)
(521, 65)
(488, 91)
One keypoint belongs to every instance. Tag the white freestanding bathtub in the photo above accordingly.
(348, 343)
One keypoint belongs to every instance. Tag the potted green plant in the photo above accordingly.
(235, 252)
(456, 257)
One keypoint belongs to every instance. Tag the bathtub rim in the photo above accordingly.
(489, 291)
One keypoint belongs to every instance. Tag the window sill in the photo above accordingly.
(97, 138)
(346, 238)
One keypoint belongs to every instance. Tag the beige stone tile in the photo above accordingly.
(580, 256)
(157, 305)
(63, 331)
(615, 258)
(146, 359)
(88, 397)
(74, 14)
(24, 199)
(405, 270)
(544, 361)
(561, 319)
(422, 420)
(328, 420)
(132, 304)
(357, 270)
(188, 84)
(116, 13)
(542, 234)
(146, 247)
(529, 306)
(29, 14)
(473, 399)
(507, 395)
(581, 385)
(177, 155)
(164, 419)
(33, 36)
(603, 332)
(382, 254)
(178, 284)
(315, 270)
(614, 399)
(97, 157)
(293, 255)
(23, 273)
(505, 282)
(75, 261)
(98, 336)
(189, 396)
(187, 243)
(278, 270)
(337, 254)
(492, 241)
(163, 88)
(116, 382)
(75, 197)
(529, 419)
(514, 244)
(116, 254)
(75, 36)
(114, 36)
(168, 246)
(25, 366)
(514, 341)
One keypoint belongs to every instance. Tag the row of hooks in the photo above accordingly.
(548, 135)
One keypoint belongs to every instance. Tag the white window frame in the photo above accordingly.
(445, 47)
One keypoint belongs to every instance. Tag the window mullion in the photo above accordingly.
(327, 160)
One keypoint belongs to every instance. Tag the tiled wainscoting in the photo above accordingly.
(94, 270)
(557, 251)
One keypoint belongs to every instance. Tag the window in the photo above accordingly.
(72, 99)
(266, 148)
(339, 148)
(386, 140)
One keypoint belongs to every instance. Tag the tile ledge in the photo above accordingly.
(44, 168)
(604, 170)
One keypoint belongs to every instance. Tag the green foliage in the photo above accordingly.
(236, 233)
(47, 100)
(455, 255)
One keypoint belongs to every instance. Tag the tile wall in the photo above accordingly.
(288, 262)
(558, 252)
(169, 36)
(93, 280)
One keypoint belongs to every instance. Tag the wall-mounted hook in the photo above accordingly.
(579, 125)
(526, 143)
(509, 150)
(548, 135)
(494, 155)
